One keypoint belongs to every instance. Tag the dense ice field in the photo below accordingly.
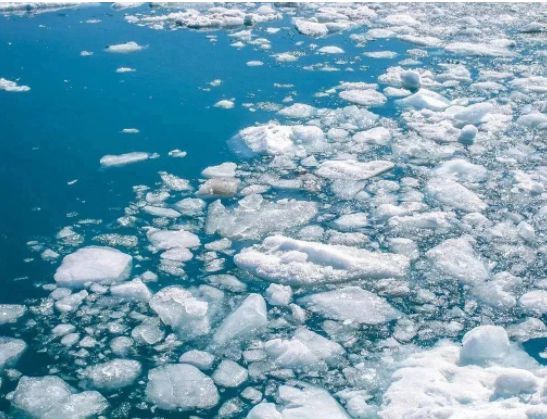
(273, 211)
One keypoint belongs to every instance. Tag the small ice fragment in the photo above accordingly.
(11, 86)
(225, 104)
(126, 48)
(130, 131)
(123, 159)
(484, 343)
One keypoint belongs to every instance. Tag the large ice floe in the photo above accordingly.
(370, 244)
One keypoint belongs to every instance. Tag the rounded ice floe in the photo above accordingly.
(190, 206)
(310, 28)
(227, 169)
(351, 304)
(351, 221)
(181, 386)
(330, 49)
(11, 350)
(200, 359)
(230, 374)
(468, 134)
(249, 317)
(461, 170)
(450, 193)
(112, 375)
(533, 120)
(457, 259)
(473, 114)
(534, 301)
(110, 160)
(298, 111)
(219, 187)
(278, 295)
(289, 261)
(10, 313)
(93, 264)
(361, 97)
(125, 48)
(300, 400)
(483, 344)
(352, 169)
(225, 104)
(426, 99)
(121, 345)
(169, 239)
(51, 397)
(410, 80)
(306, 349)
(276, 139)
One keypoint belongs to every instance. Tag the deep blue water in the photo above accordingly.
(77, 107)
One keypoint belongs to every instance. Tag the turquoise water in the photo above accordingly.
(73, 115)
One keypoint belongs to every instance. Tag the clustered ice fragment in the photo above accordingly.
(378, 252)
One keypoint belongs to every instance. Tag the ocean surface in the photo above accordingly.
(54, 135)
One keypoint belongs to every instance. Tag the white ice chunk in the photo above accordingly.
(225, 104)
(304, 349)
(352, 169)
(96, 264)
(278, 295)
(310, 28)
(457, 259)
(123, 159)
(250, 316)
(230, 374)
(182, 311)
(367, 97)
(534, 301)
(289, 261)
(180, 386)
(12, 86)
(10, 313)
(484, 343)
(169, 239)
(132, 290)
(11, 350)
(353, 304)
(253, 217)
(426, 99)
(51, 397)
(300, 401)
(113, 375)
(200, 359)
(126, 48)
(227, 169)
(453, 194)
